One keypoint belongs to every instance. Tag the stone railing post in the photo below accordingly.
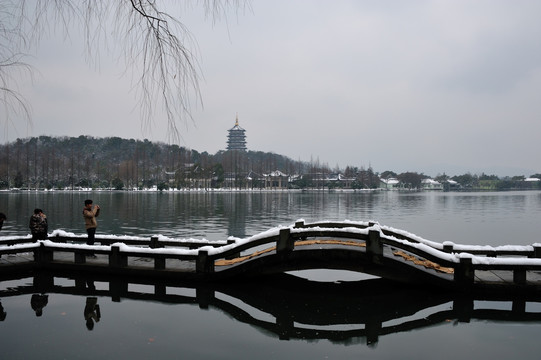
(79, 257)
(464, 272)
(373, 328)
(204, 264)
(299, 224)
(118, 289)
(160, 289)
(116, 259)
(43, 255)
(285, 242)
(234, 255)
(204, 296)
(519, 276)
(463, 308)
(43, 281)
(374, 246)
(159, 262)
(286, 325)
(519, 306)
(448, 248)
(155, 243)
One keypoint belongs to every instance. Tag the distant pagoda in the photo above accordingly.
(236, 140)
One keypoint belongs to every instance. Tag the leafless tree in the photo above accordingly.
(159, 51)
(11, 65)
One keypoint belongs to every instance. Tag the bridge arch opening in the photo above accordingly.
(330, 275)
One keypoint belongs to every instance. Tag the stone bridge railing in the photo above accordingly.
(463, 259)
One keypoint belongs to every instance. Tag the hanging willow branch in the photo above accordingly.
(158, 50)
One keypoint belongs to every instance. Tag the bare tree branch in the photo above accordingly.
(158, 50)
(11, 100)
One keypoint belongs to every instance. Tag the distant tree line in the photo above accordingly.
(114, 163)
(86, 162)
(493, 182)
(467, 181)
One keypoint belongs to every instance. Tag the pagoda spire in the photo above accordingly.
(236, 140)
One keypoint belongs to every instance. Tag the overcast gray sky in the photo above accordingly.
(425, 86)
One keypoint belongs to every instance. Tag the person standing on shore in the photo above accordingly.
(38, 225)
(90, 213)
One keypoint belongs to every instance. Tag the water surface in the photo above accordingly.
(318, 318)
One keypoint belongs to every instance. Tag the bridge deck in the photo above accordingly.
(504, 277)
(498, 278)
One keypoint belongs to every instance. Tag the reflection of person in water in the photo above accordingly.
(92, 312)
(2, 312)
(38, 302)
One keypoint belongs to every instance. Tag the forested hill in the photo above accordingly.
(85, 161)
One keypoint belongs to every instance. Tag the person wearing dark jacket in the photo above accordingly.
(38, 225)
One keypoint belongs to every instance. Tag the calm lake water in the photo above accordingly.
(310, 315)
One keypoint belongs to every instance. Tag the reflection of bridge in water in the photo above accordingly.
(289, 307)
(355, 246)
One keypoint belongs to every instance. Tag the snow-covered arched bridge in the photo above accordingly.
(365, 247)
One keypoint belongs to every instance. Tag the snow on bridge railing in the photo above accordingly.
(464, 259)
(531, 251)
(61, 236)
(351, 229)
